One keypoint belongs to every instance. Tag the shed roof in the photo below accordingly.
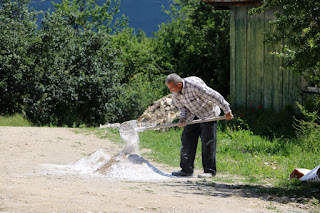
(225, 4)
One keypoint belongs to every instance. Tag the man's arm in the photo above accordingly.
(209, 94)
(183, 113)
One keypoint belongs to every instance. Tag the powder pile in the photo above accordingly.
(126, 165)
(130, 167)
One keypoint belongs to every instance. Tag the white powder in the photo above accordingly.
(124, 166)
(133, 168)
(130, 167)
(91, 162)
(130, 136)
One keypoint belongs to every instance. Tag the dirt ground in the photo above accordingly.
(28, 185)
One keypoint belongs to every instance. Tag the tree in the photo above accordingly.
(297, 23)
(68, 71)
(88, 15)
(18, 30)
(141, 35)
(75, 75)
(136, 56)
(141, 81)
(196, 42)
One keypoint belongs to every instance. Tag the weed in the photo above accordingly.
(308, 130)
(15, 120)
(110, 133)
(272, 207)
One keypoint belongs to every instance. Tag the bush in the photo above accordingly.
(308, 130)
(196, 42)
(136, 96)
(17, 33)
(75, 76)
(142, 81)
(265, 122)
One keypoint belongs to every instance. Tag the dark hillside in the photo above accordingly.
(143, 14)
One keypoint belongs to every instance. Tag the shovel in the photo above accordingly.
(129, 131)
(132, 125)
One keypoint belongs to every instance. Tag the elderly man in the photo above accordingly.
(196, 100)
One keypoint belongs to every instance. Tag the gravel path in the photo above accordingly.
(32, 179)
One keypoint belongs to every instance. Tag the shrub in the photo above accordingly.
(308, 130)
(196, 42)
(265, 122)
(75, 76)
(17, 32)
(136, 96)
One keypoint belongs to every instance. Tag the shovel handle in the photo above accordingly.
(141, 129)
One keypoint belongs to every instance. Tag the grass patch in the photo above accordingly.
(240, 152)
(15, 120)
(112, 134)
(251, 159)
(165, 146)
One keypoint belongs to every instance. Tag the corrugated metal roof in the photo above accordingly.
(232, 3)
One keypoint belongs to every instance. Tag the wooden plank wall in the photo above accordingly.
(238, 49)
(255, 59)
(273, 74)
(256, 76)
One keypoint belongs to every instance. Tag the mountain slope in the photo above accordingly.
(143, 14)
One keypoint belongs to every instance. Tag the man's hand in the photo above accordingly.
(182, 122)
(229, 116)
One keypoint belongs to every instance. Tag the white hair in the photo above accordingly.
(174, 78)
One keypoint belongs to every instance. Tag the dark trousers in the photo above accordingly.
(189, 141)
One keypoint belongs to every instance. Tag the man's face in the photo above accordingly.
(175, 88)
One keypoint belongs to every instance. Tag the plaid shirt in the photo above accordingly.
(197, 99)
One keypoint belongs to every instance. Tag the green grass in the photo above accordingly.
(112, 134)
(165, 146)
(245, 159)
(15, 120)
(239, 152)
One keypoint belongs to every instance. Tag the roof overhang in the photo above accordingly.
(226, 4)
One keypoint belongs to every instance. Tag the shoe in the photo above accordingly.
(181, 174)
(206, 175)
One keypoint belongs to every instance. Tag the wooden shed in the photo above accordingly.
(256, 75)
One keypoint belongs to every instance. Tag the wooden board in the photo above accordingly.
(255, 60)
(256, 75)
(273, 84)
(240, 59)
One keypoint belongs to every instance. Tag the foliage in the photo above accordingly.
(141, 35)
(17, 32)
(72, 71)
(264, 122)
(88, 15)
(74, 75)
(137, 96)
(65, 73)
(196, 42)
(297, 23)
(141, 80)
(309, 129)
(136, 54)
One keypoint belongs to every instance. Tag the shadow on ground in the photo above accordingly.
(295, 191)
